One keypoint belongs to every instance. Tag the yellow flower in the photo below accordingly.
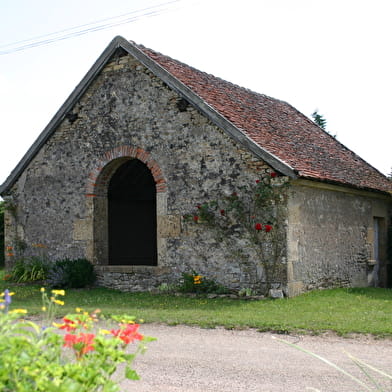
(21, 311)
(58, 302)
(197, 279)
(2, 294)
(43, 308)
(105, 332)
(78, 310)
(42, 289)
(58, 292)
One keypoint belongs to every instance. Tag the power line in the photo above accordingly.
(76, 31)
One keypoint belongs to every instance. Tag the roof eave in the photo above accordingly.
(60, 115)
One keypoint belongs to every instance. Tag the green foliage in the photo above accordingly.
(195, 283)
(37, 359)
(76, 273)
(29, 270)
(1, 233)
(319, 120)
(246, 292)
(255, 214)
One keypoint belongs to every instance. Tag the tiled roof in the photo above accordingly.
(278, 128)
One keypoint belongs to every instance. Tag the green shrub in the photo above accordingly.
(1, 233)
(76, 273)
(195, 283)
(30, 270)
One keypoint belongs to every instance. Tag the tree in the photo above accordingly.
(319, 119)
(1, 233)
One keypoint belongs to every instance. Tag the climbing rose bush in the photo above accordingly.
(256, 214)
(38, 358)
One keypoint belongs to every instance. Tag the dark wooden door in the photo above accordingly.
(132, 215)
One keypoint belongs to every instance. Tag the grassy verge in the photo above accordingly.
(344, 311)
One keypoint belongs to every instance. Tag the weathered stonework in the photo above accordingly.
(324, 235)
(129, 113)
(338, 223)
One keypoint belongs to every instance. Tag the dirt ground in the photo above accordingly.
(189, 359)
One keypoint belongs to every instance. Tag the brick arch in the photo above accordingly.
(111, 160)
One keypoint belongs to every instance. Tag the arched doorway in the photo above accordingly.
(132, 228)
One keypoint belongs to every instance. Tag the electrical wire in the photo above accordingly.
(102, 24)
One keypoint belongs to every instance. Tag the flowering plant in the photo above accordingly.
(36, 358)
(252, 213)
(196, 283)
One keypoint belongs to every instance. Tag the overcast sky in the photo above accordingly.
(334, 56)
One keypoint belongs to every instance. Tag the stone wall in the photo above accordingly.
(331, 239)
(127, 112)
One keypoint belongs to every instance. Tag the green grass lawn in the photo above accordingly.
(362, 310)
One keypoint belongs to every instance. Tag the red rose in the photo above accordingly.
(258, 226)
(268, 228)
(257, 181)
(222, 212)
(273, 174)
(195, 218)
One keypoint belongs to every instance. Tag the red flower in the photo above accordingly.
(234, 194)
(268, 228)
(81, 343)
(258, 226)
(222, 212)
(198, 206)
(68, 325)
(195, 218)
(273, 174)
(127, 334)
(257, 181)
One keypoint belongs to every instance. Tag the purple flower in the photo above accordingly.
(7, 297)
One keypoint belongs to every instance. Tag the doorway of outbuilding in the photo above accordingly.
(132, 227)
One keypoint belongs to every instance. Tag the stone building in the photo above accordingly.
(143, 139)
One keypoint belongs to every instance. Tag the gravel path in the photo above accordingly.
(189, 359)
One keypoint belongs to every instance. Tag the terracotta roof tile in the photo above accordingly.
(278, 128)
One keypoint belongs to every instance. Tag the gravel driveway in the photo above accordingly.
(189, 359)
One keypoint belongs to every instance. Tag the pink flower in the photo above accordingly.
(268, 228)
(258, 226)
